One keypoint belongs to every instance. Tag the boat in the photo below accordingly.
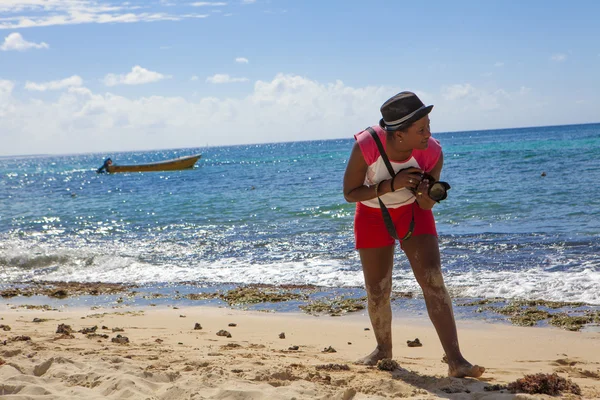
(168, 165)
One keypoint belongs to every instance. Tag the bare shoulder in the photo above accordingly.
(356, 170)
(356, 157)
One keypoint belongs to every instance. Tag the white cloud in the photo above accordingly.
(558, 57)
(194, 78)
(6, 104)
(224, 78)
(471, 98)
(284, 108)
(248, 1)
(208, 4)
(524, 90)
(15, 41)
(137, 76)
(275, 12)
(55, 85)
(457, 91)
(18, 14)
(241, 60)
(499, 64)
(6, 86)
(80, 120)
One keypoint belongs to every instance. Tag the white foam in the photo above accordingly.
(535, 283)
(313, 272)
(85, 264)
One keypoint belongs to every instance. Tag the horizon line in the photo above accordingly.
(283, 142)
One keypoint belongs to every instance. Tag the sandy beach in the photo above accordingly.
(176, 353)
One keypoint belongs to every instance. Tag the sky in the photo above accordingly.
(83, 76)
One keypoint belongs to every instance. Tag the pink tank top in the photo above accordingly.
(377, 171)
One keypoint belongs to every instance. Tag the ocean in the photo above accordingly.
(522, 220)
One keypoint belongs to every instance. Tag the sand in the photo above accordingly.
(166, 358)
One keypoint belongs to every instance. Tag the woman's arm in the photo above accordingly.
(354, 178)
(423, 199)
(436, 172)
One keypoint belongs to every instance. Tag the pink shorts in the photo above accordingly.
(370, 230)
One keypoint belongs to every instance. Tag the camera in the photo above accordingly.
(438, 190)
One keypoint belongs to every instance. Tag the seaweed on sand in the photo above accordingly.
(250, 295)
(530, 312)
(61, 290)
(550, 384)
(335, 306)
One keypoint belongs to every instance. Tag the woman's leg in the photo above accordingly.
(377, 268)
(424, 256)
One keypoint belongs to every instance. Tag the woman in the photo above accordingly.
(406, 138)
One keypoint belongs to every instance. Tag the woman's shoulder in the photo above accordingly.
(429, 157)
(434, 144)
(367, 144)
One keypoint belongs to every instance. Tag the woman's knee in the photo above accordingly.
(431, 280)
(379, 292)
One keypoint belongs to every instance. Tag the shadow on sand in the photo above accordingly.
(452, 388)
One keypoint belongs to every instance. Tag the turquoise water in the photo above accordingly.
(275, 213)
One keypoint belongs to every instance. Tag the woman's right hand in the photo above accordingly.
(408, 178)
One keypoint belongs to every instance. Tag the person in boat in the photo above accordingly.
(104, 167)
(416, 160)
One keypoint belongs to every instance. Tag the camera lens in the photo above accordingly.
(437, 191)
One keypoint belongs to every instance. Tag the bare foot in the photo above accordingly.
(375, 356)
(466, 369)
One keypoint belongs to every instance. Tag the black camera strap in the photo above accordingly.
(386, 160)
(387, 218)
